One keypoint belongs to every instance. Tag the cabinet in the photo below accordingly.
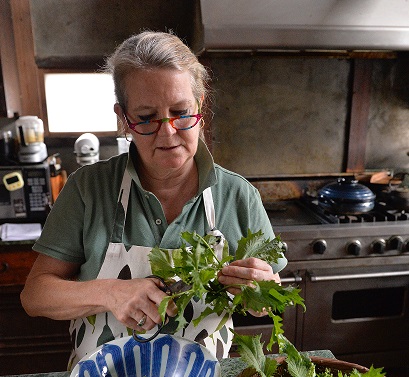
(27, 345)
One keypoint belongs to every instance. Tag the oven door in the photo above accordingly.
(359, 313)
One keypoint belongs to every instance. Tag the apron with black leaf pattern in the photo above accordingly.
(123, 262)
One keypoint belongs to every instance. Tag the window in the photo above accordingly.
(80, 102)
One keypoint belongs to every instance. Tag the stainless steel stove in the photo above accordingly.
(311, 233)
(354, 274)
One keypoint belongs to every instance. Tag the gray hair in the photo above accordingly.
(149, 50)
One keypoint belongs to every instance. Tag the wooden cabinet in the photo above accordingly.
(27, 345)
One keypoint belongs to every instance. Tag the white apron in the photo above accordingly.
(90, 332)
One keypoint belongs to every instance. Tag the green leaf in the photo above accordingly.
(181, 302)
(269, 294)
(270, 366)
(374, 372)
(225, 254)
(161, 262)
(298, 365)
(222, 322)
(256, 246)
(251, 352)
(277, 330)
(163, 306)
(203, 315)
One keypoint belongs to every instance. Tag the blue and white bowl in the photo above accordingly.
(165, 356)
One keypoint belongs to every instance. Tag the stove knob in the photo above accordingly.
(319, 246)
(395, 243)
(354, 247)
(378, 246)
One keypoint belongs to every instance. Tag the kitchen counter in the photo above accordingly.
(230, 367)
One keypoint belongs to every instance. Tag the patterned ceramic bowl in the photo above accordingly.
(165, 356)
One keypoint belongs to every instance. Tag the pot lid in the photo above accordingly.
(346, 189)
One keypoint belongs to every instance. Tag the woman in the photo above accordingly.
(93, 262)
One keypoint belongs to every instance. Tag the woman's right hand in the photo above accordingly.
(52, 291)
(133, 300)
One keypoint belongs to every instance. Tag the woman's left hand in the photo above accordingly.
(245, 271)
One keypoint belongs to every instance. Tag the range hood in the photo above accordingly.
(263, 25)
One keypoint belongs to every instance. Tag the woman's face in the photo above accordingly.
(156, 94)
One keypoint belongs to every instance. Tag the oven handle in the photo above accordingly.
(296, 278)
(314, 277)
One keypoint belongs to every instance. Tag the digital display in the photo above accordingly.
(12, 179)
(35, 173)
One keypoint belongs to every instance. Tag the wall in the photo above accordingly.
(272, 115)
(388, 127)
(279, 115)
(276, 116)
(69, 32)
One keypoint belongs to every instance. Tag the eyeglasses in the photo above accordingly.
(149, 127)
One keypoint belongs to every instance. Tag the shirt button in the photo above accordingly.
(158, 221)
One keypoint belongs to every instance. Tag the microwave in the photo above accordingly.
(25, 193)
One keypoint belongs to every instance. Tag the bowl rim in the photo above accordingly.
(123, 340)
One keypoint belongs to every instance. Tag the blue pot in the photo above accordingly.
(347, 197)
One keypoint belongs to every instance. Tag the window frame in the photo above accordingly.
(42, 72)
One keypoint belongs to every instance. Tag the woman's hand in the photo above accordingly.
(135, 303)
(52, 290)
(245, 271)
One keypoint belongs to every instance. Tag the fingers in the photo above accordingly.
(172, 308)
(135, 303)
(245, 271)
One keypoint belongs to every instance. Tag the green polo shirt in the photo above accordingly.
(81, 223)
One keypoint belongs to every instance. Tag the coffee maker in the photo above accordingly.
(30, 134)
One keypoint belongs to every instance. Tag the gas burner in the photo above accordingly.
(382, 212)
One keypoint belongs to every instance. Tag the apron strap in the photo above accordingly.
(209, 208)
(125, 190)
(123, 199)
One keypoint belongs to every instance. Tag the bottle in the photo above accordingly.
(7, 148)
(58, 176)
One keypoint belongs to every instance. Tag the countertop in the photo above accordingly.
(230, 367)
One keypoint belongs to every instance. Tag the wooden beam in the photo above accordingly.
(27, 68)
(9, 61)
(362, 76)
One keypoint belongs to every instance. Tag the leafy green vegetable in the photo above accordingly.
(198, 266)
(251, 352)
(298, 364)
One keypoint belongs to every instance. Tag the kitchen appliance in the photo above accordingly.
(30, 134)
(353, 271)
(86, 149)
(25, 194)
